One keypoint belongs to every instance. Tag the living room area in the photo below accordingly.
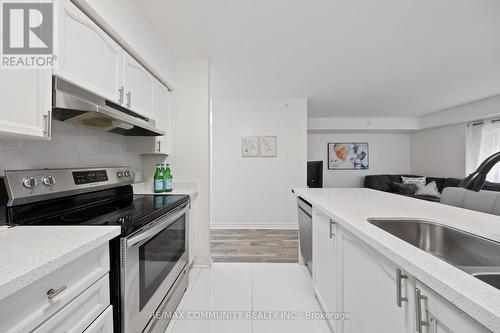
(416, 157)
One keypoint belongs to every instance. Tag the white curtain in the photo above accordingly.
(483, 141)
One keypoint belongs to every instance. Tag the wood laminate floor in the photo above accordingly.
(254, 245)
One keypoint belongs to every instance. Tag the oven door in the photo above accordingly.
(152, 259)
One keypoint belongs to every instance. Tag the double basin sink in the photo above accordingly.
(473, 254)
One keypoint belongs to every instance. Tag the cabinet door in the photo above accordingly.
(162, 113)
(26, 103)
(103, 324)
(164, 118)
(437, 315)
(139, 87)
(369, 290)
(325, 262)
(87, 56)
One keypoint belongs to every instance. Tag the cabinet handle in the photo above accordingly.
(159, 146)
(399, 298)
(418, 310)
(129, 99)
(121, 91)
(47, 124)
(332, 223)
(54, 292)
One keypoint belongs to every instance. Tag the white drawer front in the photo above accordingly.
(81, 312)
(103, 324)
(26, 309)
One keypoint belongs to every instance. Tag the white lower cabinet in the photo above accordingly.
(351, 277)
(81, 312)
(103, 324)
(369, 290)
(325, 273)
(437, 315)
(66, 300)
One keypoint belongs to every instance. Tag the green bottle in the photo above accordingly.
(167, 179)
(158, 179)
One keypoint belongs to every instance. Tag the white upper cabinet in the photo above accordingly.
(139, 87)
(26, 103)
(162, 113)
(87, 56)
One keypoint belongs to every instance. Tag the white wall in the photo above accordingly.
(190, 159)
(439, 152)
(71, 146)
(255, 192)
(388, 154)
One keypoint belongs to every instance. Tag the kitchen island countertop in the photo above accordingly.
(352, 207)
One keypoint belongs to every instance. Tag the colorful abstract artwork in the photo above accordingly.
(348, 156)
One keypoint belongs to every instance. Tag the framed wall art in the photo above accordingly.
(250, 146)
(348, 156)
(267, 146)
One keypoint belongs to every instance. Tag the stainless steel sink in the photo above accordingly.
(471, 253)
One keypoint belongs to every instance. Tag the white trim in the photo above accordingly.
(288, 226)
(202, 263)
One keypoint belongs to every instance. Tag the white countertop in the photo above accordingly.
(352, 207)
(28, 253)
(187, 188)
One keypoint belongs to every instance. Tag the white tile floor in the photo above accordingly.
(256, 289)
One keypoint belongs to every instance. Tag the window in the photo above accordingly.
(483, 141)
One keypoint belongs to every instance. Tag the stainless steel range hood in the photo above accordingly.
(75, 105)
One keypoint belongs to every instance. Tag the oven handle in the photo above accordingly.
(157, 228)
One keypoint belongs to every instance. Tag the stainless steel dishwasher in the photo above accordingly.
(305, 232)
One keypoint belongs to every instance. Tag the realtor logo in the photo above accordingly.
(27, 30)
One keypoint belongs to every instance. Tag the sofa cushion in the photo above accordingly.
(397, 178)
(440, 182)
(378, 182)
(413, 180)
(489, 186)
(430, 189)
(403, 188)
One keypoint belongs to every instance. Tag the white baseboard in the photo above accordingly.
(202, 263)
(290, 226)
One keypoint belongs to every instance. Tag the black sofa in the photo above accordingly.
(384, 183)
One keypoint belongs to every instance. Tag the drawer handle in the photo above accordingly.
(399, 298)
(54, 292)
(418, 311)
(332, 223)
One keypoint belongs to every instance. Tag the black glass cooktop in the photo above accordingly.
(117, 206)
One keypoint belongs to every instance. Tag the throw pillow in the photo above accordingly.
(430, 190)
(413, 180)
(403, 188)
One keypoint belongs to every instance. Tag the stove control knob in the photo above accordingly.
(49, 181)
(30, 182)
(127, 173)
(119, 174)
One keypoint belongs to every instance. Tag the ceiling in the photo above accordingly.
(351, 58)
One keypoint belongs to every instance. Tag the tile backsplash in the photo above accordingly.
(71, 146)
